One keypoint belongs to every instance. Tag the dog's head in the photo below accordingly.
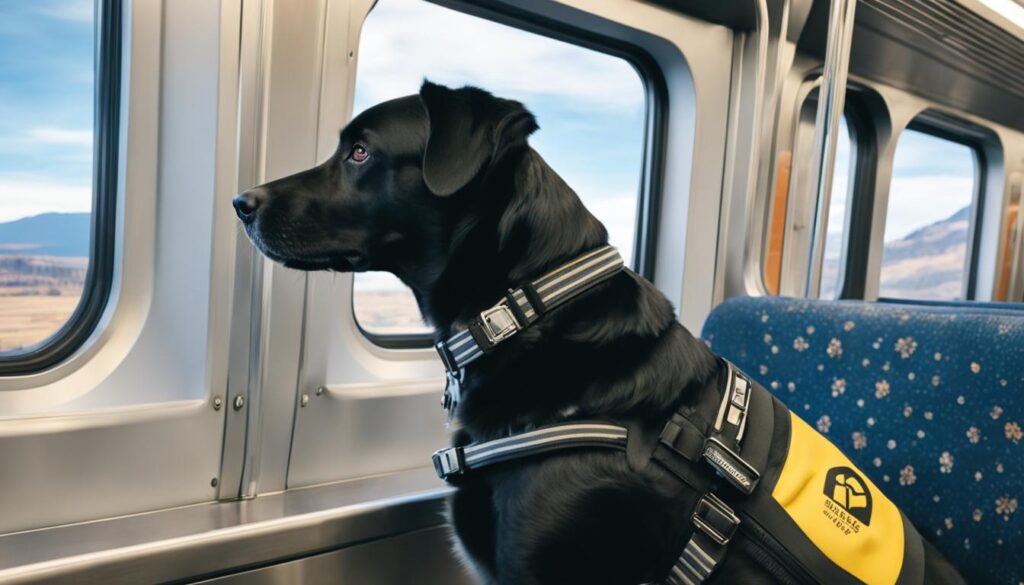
(393, 189)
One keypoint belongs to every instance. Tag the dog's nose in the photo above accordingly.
(247, 203)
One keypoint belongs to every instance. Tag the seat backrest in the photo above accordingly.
(926, 399)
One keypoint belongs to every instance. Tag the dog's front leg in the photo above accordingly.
(471, 515)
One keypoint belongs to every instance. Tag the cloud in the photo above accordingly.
(47, 135)
(404, 41)
(26, 198)
(73, 10)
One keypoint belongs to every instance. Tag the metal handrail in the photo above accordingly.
(831, 101)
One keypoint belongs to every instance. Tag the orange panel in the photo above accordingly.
(1003, 286)
(777, 224)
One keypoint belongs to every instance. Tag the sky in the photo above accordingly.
(46, 106)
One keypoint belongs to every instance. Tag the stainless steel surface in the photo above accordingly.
(831, 99)
(356, 430)
(754, 93)
(245, 307)
(422, 558)
(203, 540)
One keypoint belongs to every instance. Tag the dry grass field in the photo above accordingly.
(388, 312)
(27, 320)
(37, 295)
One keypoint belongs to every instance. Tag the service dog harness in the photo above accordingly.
(748, 462)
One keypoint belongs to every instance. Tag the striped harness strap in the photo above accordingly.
(714, 521)
(520, 308)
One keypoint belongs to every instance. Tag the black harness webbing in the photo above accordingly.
(805, 517)
(714, 521)
(520, 308)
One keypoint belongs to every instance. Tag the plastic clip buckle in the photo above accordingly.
(448, 462)
(731, 466)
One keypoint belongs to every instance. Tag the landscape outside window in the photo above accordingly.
(46, 165)
(590, 107)
(927, 224)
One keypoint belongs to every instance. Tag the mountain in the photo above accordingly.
(928, 263)
(48, 234)
(931, 239)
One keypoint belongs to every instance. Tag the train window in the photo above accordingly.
(56, 95)
(835, 230)
(928, 221)
(591, 108)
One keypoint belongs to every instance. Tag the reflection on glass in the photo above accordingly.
(46, 151)
(928, 219)
(590, 107)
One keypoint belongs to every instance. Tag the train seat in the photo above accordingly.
(928, 399)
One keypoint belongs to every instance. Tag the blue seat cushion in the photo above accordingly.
(926, 399)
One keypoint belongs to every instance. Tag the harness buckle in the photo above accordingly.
(498, 324)
(448, 462)
(715, 519)
(731, 466)
(446, 357)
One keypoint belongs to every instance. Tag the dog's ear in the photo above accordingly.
(470, 130)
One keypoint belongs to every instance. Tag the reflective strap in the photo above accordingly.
(454, 461)
(524, 305)
(714, 525)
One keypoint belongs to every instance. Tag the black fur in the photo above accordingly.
(454, 202)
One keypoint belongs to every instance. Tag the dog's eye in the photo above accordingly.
(359, 154)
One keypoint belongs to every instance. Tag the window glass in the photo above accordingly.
(590, 107)
(835, 234)
(928, 219)
(46, 165)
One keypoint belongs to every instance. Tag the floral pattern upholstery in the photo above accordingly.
(927, 400)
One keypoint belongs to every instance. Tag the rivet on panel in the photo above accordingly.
(305, 400)
(217, 402)
(239, 402)
(319, 390)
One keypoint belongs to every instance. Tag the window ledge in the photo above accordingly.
(217, 538)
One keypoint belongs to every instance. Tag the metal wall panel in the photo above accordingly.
(422, 557)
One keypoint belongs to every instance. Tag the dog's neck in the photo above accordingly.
(527, 221)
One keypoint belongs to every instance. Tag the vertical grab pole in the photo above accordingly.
(831, 99)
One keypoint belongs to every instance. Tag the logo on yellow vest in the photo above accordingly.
(849, 499)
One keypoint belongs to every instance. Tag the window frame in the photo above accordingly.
(98, 284)
(959, 132)
(652, 165)
(860, 200)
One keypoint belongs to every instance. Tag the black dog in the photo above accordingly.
(442, 189)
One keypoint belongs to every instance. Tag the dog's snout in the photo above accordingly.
(247, 203)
